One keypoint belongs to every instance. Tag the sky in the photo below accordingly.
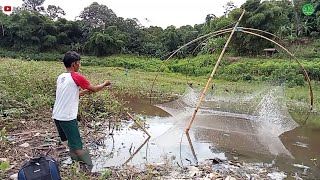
(149, 12)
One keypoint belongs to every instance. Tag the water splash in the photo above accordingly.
(273, 115)
(257, 119)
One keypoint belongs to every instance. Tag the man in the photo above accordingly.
(66, 105)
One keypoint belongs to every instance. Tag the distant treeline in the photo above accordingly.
(34, 29)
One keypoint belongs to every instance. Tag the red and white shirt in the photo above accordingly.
(67, 96)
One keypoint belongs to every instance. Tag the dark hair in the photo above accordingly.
(70, 57)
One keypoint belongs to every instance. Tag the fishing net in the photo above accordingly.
(243, 123)
(238, 125)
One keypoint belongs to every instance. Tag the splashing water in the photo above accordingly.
(248, 123)
(273, 115)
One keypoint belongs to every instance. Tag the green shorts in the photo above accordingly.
(69, 130)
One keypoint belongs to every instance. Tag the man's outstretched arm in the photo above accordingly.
(92, 89)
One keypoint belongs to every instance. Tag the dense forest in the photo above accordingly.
(33, 28)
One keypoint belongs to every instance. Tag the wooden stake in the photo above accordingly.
(213, 72)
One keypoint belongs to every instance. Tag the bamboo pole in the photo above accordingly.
(213, 72)
(175, 52)
(141, 127)
(192, 149)
(139, 148)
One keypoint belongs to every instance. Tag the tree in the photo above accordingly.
(33, 5)
(209, 17)
(171, 39)
(55, 11)
(266, 15)
(98, 16)
(229, 7)
(108, 42)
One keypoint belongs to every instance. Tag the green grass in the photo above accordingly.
(29, 85)
(245, 69)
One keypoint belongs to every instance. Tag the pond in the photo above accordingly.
(217, 132)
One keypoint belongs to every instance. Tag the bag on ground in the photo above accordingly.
(40, 168)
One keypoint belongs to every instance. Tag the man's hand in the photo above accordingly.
(107, 83)
(84, 92)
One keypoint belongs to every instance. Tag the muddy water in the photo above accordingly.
(297, 151)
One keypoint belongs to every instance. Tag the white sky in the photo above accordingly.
(159, 12)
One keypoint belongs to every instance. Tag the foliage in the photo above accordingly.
(33, 5)
(106, 174)
(34, 88)
(266, 15)
(100, 32)
(4, 166)
(3, 134)
(55, 11)
(98, 16)
(31, 56)
(108, 42)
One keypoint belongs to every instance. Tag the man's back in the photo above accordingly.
(67, 98)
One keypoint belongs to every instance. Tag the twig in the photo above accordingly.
(25, 133)
(117, 174)
(192, 149)
(41, 148)
(26, 139)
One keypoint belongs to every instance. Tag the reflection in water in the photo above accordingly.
(258, 131)
(139, 148)
(191, 147)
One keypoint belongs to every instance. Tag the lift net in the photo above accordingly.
(247, 123)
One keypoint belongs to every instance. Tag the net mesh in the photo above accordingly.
(249, 123)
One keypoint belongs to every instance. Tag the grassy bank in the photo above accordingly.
(30, 85)
(231, 69)
(280, 69)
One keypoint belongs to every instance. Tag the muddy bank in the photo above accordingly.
(210, 169)
(38, 136)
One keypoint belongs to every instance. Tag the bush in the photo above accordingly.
(31, 56)
(247, 77)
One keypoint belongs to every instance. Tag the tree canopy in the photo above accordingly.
(99, 31)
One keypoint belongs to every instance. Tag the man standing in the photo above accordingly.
(66, 105)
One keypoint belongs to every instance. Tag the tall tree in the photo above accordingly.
(265, 15)
(209, 17)
(228, 7)
(55, 11)
(98, 16)
(108, 42)
(33, 5)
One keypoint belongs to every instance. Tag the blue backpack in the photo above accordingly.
(40, 168)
